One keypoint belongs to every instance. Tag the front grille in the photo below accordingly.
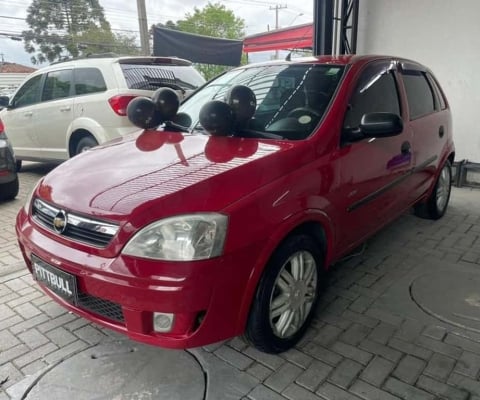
(104, 308)
(85, 230)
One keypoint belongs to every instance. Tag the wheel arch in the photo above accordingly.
(315, 224)
(75, 138)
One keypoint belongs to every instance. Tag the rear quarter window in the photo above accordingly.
(89, 80)
(420, 96)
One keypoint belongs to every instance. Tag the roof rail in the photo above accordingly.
(88, 55)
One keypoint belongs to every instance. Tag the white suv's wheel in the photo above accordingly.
(85, 143)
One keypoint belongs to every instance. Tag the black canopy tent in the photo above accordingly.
(196, 48)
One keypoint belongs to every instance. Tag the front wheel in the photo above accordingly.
(286, 295)
(85, 143)
(436, 205)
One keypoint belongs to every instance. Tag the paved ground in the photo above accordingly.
(401, 320)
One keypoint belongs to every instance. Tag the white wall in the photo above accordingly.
(10, 81)
(445, 36)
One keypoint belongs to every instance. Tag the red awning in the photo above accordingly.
(296, 37)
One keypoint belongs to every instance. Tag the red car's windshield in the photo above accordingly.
(291, 99)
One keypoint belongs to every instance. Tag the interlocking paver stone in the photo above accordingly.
(345, 373)
(377, 371)
(406, 391)
(355, 334)
(313, 376)
(285, 375)
(439, 347)
(439, 367)
(468, 384)
(435, 332)
(464, 343)
(381, 350)
(382, 333)
(352, 352)
(298, 358)
(469, 365)
(295, 392)
(412, 349)
(331, 392)
(322, 354)
(369, 392)
(441, 389)
(409, 369)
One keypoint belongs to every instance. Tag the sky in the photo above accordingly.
(259, 16)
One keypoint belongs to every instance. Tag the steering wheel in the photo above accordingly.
(304, 115)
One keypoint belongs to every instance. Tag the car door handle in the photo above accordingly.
(441, 131)
(28, 114)
(406, 147)
(64, 109)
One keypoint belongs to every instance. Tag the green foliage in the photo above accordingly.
(62, 28)
(97, 40)
(213, 20)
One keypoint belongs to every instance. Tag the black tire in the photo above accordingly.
(436, 205)
(18, 165)
(8, 191)
(262, 326)
(85, 143)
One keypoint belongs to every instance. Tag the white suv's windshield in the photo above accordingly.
(291, 99)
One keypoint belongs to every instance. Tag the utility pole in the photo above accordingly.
(277, 8)
(142, 21)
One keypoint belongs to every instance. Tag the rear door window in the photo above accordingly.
(57, 85)
(421, 99)
(442, 105)
(89, 80)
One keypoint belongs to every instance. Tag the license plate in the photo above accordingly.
(60, 282)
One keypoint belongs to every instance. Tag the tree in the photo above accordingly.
(213, 20)
(97, 40)
(60, 28)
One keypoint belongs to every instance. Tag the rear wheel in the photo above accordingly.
(85, 143)
(286, 295)
(436, 205)
(8, 191)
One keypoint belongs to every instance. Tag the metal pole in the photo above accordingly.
(142, 21)
(276, 8)
(323, 27)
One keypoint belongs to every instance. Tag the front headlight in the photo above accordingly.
(180, 238)
(28, 199)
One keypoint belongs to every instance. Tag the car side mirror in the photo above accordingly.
(4, 101)
(380, 124)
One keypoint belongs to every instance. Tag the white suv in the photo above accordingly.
(68, 107)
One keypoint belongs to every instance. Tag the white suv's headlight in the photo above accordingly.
(180, 238)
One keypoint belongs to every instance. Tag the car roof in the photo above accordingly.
(347, 59)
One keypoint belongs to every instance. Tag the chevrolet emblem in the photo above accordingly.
(60, 222)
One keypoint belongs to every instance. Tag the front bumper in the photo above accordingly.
(123, 293)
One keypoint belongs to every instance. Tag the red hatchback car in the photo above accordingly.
(223, 219)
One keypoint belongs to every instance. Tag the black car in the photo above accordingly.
(8, 170)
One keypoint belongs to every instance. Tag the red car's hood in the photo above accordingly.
(165, 172)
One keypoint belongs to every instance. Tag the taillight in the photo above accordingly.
(2, 130)
(119, 103)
